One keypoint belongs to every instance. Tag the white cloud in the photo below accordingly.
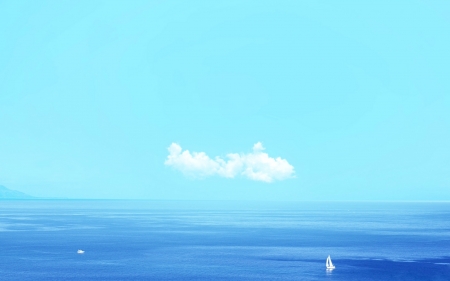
(256, 165)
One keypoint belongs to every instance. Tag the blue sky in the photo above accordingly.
(353, 97)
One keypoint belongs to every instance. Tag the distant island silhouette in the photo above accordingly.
(6, 193)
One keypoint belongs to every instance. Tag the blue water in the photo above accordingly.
(151, 240)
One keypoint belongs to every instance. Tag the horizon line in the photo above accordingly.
(222, 200)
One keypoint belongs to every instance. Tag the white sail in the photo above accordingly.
(329, 263)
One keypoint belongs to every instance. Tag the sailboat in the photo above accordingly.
(329, 264)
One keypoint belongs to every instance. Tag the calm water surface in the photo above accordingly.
(170, 240)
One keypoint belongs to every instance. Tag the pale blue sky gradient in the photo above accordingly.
(355, 96)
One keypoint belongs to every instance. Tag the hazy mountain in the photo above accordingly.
(6, 193)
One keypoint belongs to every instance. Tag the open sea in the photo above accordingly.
(206, 240)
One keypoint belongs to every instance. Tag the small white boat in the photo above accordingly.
(329, 264)
(80, 252)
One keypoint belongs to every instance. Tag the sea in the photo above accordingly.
(223, 240)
